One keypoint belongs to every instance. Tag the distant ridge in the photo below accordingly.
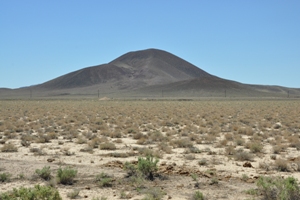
(149, 73)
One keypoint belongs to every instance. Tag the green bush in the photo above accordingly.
(154, 193)
(197, 196)
(66, 176)
(5, 177)
(277, 188)
(44, 173)
(147, 166)
(104, 180)
(36, 193)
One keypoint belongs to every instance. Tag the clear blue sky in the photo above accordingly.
(250, 41)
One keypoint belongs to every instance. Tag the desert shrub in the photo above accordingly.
(255, 147)
(264, 165)
(182, 143)
(243, 155)
(197, 196)
(104, 180)
(149, 152)
(202, 162)
(43, 138)
(230, 150)
(229, 136)
(193, 149)
(38, 192)
(239, 141)
(190, 157)
(245, 177)
(277, 188)
(5, 177)
(115, 134)
(164, 147)
(108, 146)
(131, 169)
(278, 148)
(9, 148)
(154, 193)
(74, 194)
(147, 166)
(44, 173)
(66, 176)
(138, 136)
(281, 165)
(37, 151)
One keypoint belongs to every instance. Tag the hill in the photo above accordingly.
(146, 73)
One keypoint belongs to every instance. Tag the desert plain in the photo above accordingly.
(217, 148)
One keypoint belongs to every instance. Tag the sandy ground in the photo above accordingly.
(220, 178)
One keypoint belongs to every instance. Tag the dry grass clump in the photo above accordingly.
(107, 146)
(281, 165)
(242, 155)
(182, 143)
(279, 148)
(9, 147)
(255, 147)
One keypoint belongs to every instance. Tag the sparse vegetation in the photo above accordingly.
(279, 188)
(207, 140)
(37, 192)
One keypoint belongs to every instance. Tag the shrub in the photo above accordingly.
(243, 156)
(198, 196)
(277, 188)
(182, 143)
(5, 177)
(107, 146)
(154, 193)
(66, 176)
(255, 147)
(44, 173)
(202, 162)
(38, 192)
(147, 166)
(9, 148)
(281, 165)
(104, 180)
(74, 194)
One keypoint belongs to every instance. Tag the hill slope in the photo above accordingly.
(147, 73)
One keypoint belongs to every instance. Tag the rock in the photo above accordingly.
(292, 167)
(50, 159)
(247, 164)
(278, 125)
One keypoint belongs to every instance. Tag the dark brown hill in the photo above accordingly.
(131, 71)
(147, 73)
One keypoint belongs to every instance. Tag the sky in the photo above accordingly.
(254, 42)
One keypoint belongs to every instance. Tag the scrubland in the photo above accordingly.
(90, 149)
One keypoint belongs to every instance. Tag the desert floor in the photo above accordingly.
(217, 147)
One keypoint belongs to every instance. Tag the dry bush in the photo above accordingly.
(230, 150)
(242, 155)
(108, 146)
(255, 147)
(279, 148)
(281, 165)
(9, 147)
(181, 143)
(229, 136)
(164, 147)
(190, 157)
